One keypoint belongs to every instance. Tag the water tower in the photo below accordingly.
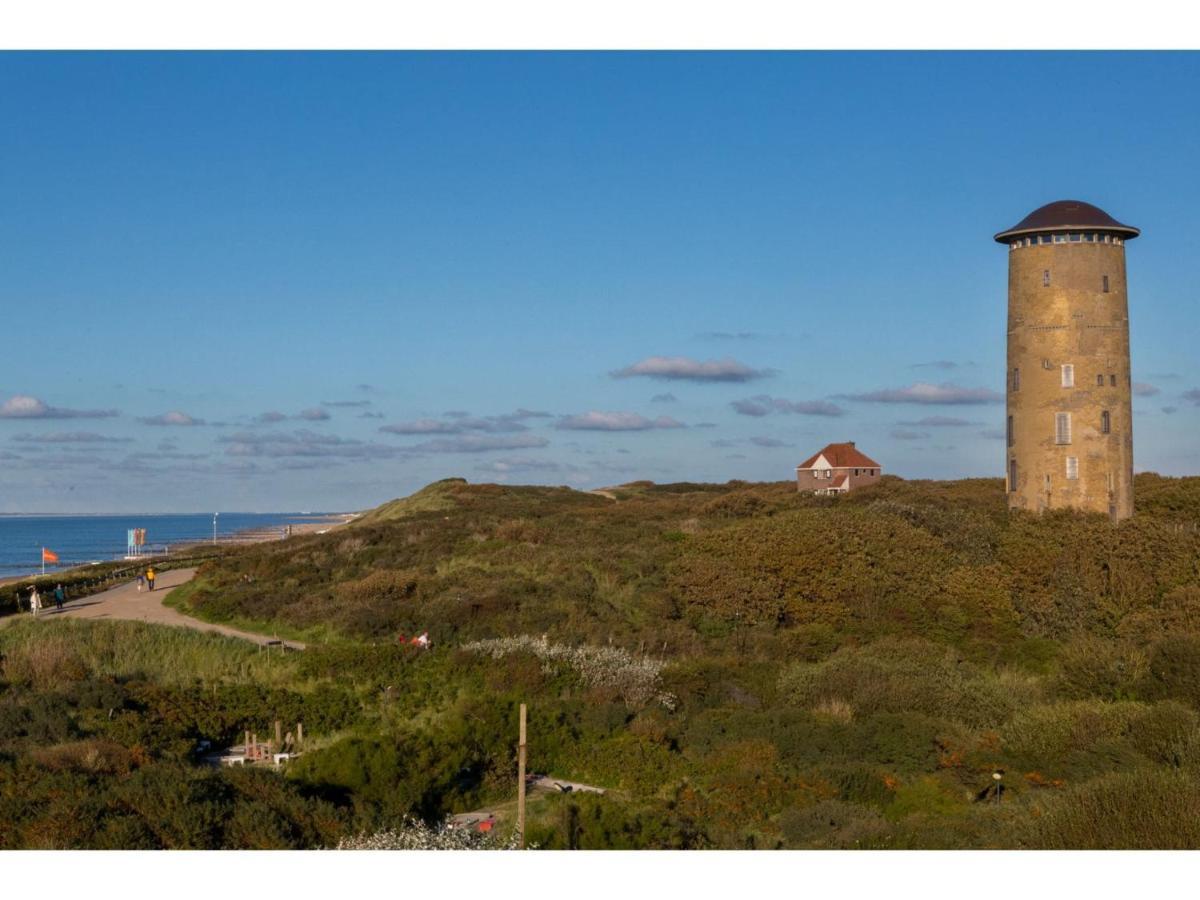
(1070, 410)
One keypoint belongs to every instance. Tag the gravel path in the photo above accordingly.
(126, 602)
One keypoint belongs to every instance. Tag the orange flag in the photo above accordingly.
(49, 556)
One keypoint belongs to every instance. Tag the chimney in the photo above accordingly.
(851, 443)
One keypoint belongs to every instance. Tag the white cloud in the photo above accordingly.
(22, 406)
(479, 443)
(615, 421)
(172, 418)
(928, 394)
(763, 405)
(459, 422)
(69, 437)
(682, 368)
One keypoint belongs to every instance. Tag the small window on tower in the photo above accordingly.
(1068, 376)
(1016, 379)
(1099, 381)
(1012, 475)
(1062, 428)
(1046, 278)
(1105, 284)
(1105, 422)
(1112, 380)
(1072, 467)
(1010, 431)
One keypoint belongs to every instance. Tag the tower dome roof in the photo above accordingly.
(1068, 215)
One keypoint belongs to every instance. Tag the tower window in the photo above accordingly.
(1072, 468)
(1068, 376)
(1047, 365)
(1112, 380)
(1099, 381)
(1016, 379)
(1012, 475)
(1104, 281)
(1105, 422)
(1046, 278)
(1009, 431)
(1062, 428)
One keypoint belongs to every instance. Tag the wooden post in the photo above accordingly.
(299, 734)
(278, 735)
(521, 781)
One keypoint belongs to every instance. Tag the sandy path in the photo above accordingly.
(126, 602)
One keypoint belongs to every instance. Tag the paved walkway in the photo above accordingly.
(126, 602)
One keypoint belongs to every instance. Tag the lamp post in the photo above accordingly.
(215, 526)
(996, 776)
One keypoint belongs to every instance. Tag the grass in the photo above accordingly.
(67, 649)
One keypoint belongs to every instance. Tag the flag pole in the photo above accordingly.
(43, 560)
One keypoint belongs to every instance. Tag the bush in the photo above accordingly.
(1139, 810)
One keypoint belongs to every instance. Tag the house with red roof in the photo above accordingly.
(836, 469)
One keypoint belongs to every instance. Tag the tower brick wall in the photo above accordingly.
(1069, 430)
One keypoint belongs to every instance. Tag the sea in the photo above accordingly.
(86, 539)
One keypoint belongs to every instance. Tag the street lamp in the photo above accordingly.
(215, 526)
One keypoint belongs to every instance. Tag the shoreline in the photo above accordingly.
(314, 524)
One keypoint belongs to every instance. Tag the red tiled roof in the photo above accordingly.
(841, 456)
(839, 481)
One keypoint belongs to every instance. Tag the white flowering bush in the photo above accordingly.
(416, 835)
(637, 679)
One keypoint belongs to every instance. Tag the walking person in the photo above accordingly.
(150, 578)
(59, 596)
(141, 581)
(35, 601)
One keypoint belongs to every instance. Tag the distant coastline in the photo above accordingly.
(84, 540)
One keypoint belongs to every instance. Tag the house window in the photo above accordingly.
(1068, 376)
(1062, 428)
(1072, 468)
(1075, 238)
(1104, 282)
(1060, 239)
(1105, 422)
(1010, 431)
(1046, 278)
(1012, 475)
(1016, 379)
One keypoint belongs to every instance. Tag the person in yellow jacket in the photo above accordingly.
(150, 578)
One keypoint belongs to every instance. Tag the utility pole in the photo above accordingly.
(521, 781)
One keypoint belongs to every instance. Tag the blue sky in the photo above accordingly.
(318, 281)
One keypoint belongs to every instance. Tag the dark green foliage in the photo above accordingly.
(836, 673)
